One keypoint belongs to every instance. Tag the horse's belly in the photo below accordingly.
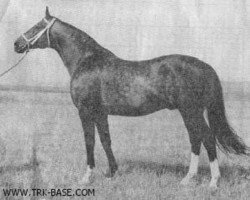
(137, 105)
(137, 95)
(129, 111)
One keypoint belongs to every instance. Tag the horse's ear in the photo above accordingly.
(47, 14)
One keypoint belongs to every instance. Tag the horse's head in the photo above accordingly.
(36, 37)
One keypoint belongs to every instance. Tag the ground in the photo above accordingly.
(42, 146)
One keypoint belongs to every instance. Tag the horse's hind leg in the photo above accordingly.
(209, 143)
(193, 123)
(199, 131)
(103, 130)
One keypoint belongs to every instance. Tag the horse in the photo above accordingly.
(103, 84)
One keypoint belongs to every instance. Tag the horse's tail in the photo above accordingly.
(226, 138)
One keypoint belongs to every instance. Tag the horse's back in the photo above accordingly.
(173, 80)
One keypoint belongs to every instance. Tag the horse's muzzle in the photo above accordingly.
(20, 47)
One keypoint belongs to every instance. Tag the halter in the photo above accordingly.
(32, 40)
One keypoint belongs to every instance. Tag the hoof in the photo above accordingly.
(213, 185)
(110, 173)
(213, 188)
(187, 180)
(87, 180)
(88, 177)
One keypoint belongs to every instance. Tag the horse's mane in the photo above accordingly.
(82, 39)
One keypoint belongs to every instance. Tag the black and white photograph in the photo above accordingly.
(135, 99)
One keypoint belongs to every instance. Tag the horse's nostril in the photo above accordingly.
(15, 44)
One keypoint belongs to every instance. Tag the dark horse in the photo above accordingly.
(103, 84)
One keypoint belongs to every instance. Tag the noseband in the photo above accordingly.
(31, 41)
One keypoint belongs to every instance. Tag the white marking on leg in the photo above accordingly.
(193, 169)
(87, 175)
(215, 173)
(205, 115)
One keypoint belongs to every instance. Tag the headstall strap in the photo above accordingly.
(38, 35)
(32, 41)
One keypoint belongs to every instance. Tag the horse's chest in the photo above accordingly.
(85, 90)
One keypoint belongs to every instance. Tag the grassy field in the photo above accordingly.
(42, 146)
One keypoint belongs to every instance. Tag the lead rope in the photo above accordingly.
(15, 65)
(32, 41)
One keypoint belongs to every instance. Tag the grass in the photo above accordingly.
(42, 146)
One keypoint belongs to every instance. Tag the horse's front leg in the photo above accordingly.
(103, 130)
(89, 134)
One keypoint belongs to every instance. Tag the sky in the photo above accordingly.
(215, 31)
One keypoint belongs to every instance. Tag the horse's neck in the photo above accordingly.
(73, 45)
